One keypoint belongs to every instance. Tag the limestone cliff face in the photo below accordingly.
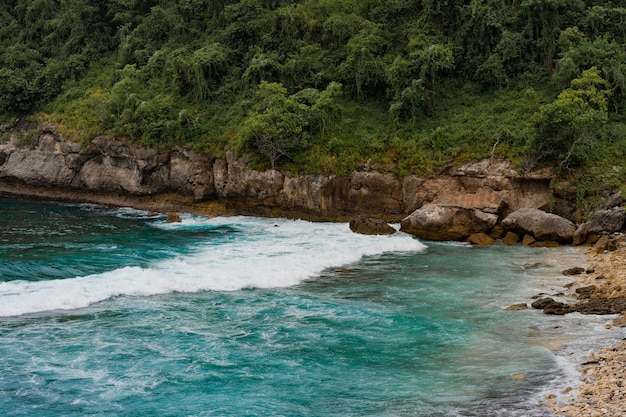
(111, 165)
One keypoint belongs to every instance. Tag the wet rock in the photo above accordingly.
(528, 240)
(510, 239)
(602, 306)
(551, 306)
(481, 239)
(545, 244)
(557, 308)
(371, 226)
(173, 217)
(541, 303)
(573, 271)
(586, 292)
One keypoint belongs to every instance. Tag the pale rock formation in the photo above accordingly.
(437, 222)
(479, 193)
(541, 225)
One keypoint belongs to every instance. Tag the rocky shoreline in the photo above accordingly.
(600, 289)
(482, 203)
(39, 157)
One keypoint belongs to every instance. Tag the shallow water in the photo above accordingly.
(114, 312)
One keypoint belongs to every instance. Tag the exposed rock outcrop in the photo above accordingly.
(541, 225)
(469, 199)
(461, 201)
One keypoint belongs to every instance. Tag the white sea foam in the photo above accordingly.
(254, 253)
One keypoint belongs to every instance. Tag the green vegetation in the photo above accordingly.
(323, 85)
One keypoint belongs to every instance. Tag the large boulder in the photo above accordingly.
(437, 222)
(539, 224)
(601, 222)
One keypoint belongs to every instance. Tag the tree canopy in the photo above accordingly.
(323, 85)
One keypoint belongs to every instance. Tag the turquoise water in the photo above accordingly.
(112, 312)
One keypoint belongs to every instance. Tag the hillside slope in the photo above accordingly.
(322, 86)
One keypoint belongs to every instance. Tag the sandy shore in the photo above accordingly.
(602, 392)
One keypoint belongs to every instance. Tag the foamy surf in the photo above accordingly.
(250, 253)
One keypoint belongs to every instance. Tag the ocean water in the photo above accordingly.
(114, 312)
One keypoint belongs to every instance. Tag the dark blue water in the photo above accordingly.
(114, 312)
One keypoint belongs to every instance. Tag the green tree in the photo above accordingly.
(275, 127)
(16, 93)
(279, 125)
(571, 124)
(364, 67)
(579, 52)
(545, 19)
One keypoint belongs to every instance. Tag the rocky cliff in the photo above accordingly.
(112, 165)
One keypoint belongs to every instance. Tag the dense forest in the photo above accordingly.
(323, 85)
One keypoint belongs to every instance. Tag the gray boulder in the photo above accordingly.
(539, 224)
(601, 222)
(439, 222)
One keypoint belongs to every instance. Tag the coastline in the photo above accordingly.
(163, 203)
(601, 391)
